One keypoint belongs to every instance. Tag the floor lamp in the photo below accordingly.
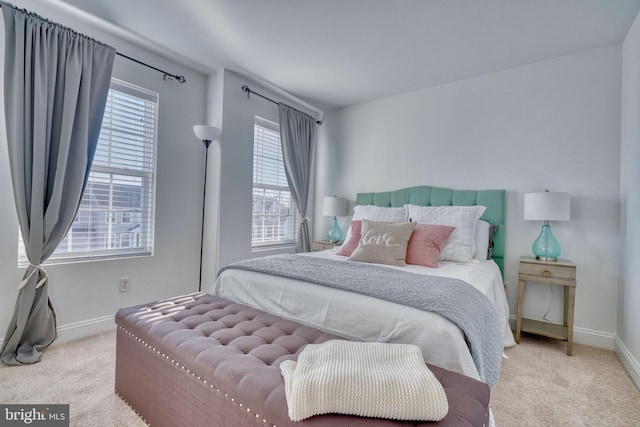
(207, 134)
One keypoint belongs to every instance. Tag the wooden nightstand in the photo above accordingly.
(321, 245)
(562, 273)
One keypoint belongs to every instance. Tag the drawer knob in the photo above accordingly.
(546, 273)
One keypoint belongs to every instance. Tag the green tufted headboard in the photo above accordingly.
(494, 200)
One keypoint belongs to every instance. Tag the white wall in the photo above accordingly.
(211, 225)
(236, 168)
(553, 124)
(628, 334)
(85, 295)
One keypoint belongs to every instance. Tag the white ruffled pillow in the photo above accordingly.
(461, 244)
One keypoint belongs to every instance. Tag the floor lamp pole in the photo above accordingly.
(207, 134)
(204, 201)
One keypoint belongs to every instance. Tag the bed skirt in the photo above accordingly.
(201, 360)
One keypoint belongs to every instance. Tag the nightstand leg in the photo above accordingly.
(569, 300)
(519, 318)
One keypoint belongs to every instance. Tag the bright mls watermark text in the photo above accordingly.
(34, 415)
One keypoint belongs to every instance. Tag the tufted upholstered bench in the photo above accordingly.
(200, 360)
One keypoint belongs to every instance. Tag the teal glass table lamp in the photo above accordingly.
(547, 206)
(335, 207)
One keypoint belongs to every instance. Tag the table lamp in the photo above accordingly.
(546, 206)
(335, 207)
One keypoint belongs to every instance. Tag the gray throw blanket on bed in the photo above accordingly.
(453, 299)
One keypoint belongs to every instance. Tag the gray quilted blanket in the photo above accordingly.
(453, 299)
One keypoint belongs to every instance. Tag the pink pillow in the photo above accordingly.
(425, 244)
(349, 246)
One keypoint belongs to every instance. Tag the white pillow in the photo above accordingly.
(377, 214)
(461, 244)
(482, 240)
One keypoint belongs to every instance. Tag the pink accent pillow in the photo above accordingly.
(349, 246)
(425, 244)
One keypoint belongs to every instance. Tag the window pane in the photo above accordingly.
(116, 212)
(274, 216)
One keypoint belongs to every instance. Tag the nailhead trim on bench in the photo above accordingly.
(188, 371)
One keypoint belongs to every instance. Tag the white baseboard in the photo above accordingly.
(83, 329)
(594, 338)
(629, 362)
(584, 336)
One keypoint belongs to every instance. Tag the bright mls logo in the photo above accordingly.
(34, 415)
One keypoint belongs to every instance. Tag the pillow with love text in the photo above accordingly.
(383, 243)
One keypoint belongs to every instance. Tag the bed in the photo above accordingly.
(357, 316)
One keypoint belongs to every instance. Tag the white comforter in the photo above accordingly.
(365, 318)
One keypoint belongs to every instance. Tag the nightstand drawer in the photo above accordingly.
(548, 271)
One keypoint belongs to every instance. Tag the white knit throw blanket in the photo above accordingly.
(363, 378)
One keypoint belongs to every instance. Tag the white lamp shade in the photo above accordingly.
(547, 206)
(334, 206)
(207, 133)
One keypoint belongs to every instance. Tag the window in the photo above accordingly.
(274, 215)
(119, 197)
(111, 217)
(124, 240)
(109, 238)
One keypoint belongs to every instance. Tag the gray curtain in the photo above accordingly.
(298, 137)
(56, 83)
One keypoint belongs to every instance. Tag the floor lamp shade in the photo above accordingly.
(206, 133)
(547, 206)
(335, 207)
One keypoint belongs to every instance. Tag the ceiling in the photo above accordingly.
(333, 53)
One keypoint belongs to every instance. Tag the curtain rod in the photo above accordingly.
(246, 88)
(167, 76)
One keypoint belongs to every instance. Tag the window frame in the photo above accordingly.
(112, 217)
(271, 244)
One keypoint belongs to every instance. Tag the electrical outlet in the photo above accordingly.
(124, 284)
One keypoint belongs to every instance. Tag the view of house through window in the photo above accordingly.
(116, 214)
(274, 215)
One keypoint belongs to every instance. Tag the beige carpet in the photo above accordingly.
(539, 385)
(81, 374)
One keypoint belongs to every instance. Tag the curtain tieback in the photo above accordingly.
(37, 268)
(305, 219)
